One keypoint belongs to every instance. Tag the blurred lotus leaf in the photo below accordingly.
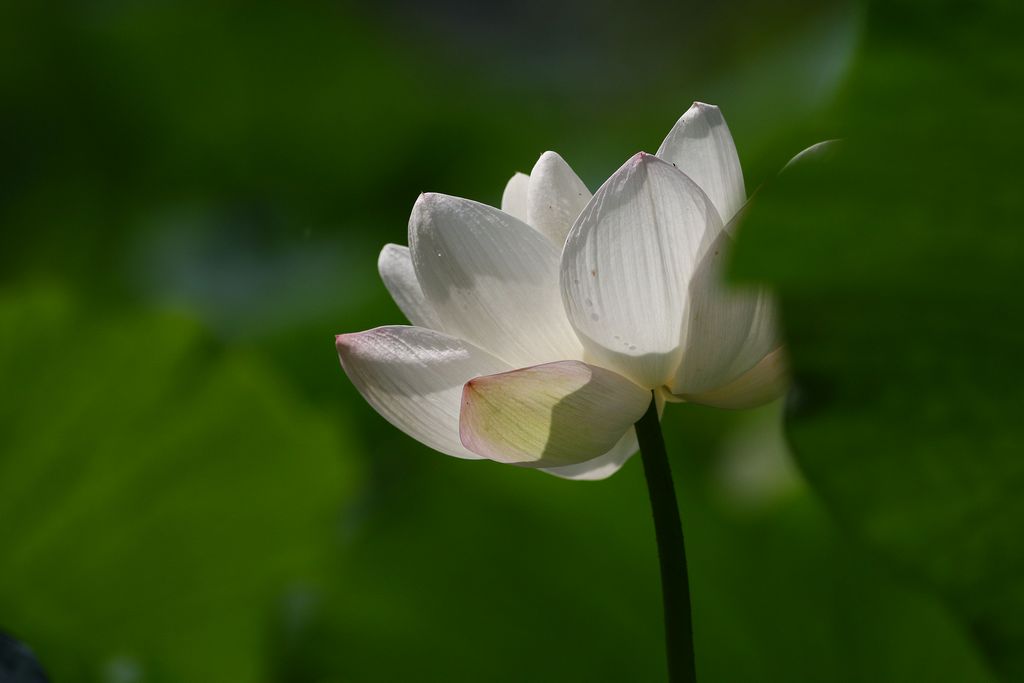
(157, 495)
(898, 262)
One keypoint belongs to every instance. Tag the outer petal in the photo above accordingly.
(602, 466)
(701, 146)
(395, 267)
(491, 279)
(815, 151)
(627, 264)
(727, 331)
(513, 199)
(555, 198)
(765, 382)
(414, 377)
(549, 415)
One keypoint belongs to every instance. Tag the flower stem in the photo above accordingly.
(675, 584)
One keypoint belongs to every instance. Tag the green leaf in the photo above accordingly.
(157, 495)
(899, 267)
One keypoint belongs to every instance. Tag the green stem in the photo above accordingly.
(675, 584)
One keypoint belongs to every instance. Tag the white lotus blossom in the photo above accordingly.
(541, 329)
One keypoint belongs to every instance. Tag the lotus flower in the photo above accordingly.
(540, 330)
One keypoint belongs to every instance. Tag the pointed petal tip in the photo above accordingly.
(345, 341)
(644, 160)
(429, 198)
(429, 201)
(349, 341)
(425, 205)
(558, 368)
(640, 158)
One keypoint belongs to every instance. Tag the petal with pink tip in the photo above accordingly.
(414, 378)
(627, 264)
(551, 415)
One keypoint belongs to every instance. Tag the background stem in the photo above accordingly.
(675, 583)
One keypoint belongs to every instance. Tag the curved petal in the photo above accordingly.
(700, 145)
(611, 462)
(815, 151)
(555, 198)
(602, 466)
(513, 199)
(727, 330)
(491, 279)
(549, 415)
(763, 383)
(414, 377)
(627, 265)
(395, 267)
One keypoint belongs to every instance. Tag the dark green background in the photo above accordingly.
(192, 199)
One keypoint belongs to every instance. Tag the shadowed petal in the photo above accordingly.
(816, 151)
(395, 267)
(611, 462)
(555, 198)
(513, 199)
(700, 145)
(549, 415)
(414, 377)
(627, 264)
(491, 280)
(763, 383)
(728, 328)
(602, 466)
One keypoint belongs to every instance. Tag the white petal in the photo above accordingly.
(414, 377)
(549, 415)
(701, 146)
(765, 382)
(491, 279)
(627, 264)
(727, 330)
(611, 462)
(602, 466)
(555, 198)
(395, 267)
(513, 199)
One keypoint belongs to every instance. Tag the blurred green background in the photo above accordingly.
(192, 201)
